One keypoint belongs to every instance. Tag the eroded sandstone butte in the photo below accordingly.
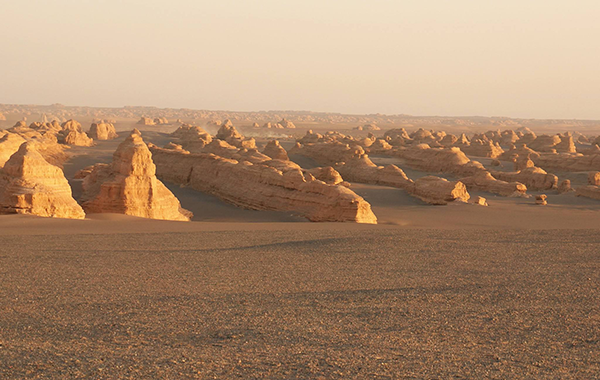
(129, 185)
(31, 185)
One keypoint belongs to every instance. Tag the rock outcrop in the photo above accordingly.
(102, 131)
(146, 121)
(192, 138)
(434, 190)
(73, 134)
(484, 181)
(569, 162)
(129, 185)
(31, 185)
(270, 185)
(228, 133)
(274, 150)
(9, 145)
(533, 177)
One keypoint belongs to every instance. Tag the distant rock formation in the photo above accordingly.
(161, 121)
(274, 150)
(228, 133)
(102, 131)
(271, 185)
(287, 124)
(2, 117)
(129, 185)
(485, 181)
(191, 137)
(73, 134)
(358, 167)
(146, 121)
(30, 185)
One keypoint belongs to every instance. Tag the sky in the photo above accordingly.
(525, 58)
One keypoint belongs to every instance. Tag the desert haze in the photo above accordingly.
(311, 189)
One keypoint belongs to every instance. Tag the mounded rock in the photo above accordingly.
(146, 121)
(274, 150)
(73, 134)
(31, 185)
(102, 131)
(129, 185)
(191, 137)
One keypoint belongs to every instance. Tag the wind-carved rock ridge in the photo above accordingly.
(270, 185)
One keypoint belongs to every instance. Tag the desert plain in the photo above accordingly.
(197, 244)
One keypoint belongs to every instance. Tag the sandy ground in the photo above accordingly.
(508, 291)
(301, 303)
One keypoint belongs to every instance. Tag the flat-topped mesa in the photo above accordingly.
(102, 131)
(31, 185)
(146, 121)
(228, 133)
(359, 168)
(274, 150)
(73, 134)
(129, 185)
(271, 185)
(191, 137)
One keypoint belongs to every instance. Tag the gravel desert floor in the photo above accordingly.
(285, 302)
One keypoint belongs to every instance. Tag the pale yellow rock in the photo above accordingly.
(102, 131)
(73, 134)
(541, 200)
(287, 124)
(594, 178)
(485, 181)
(479, 201)
(271, 185)
(129, 185)
(274, 150)
(146, 121)
(9, 145)
(533, 177)
(31, 185)
(228, 133)
(192, 138)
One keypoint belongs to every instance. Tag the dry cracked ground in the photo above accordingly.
(383, 304)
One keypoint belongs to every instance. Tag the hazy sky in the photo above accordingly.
(520, 58)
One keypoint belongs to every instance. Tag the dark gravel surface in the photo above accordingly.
(416, 304)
